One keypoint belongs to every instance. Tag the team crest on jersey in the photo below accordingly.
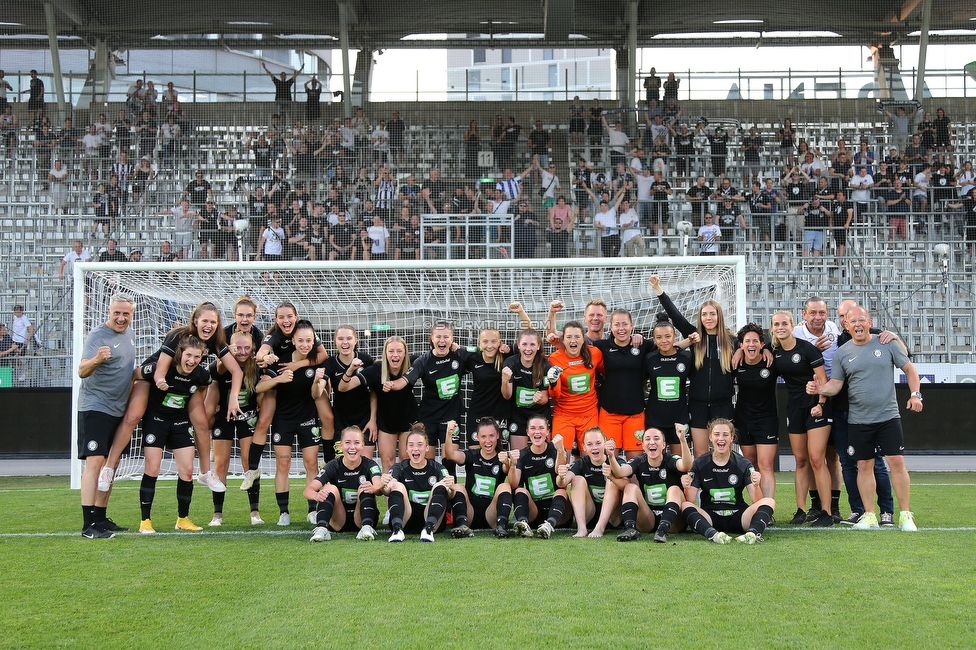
(680, 367)
(877, 354)
(733, 479)
(663, 473)
(550, 463)
(193, 389)
(455, 365)
(764, 373)
(494, 470)
(513, 427)
(150, 439)
(362, 479)
(92, 445)
(276, 437)
(309, 373)
(795, 358)
(634, 351)
(431, 480)
(147, 369)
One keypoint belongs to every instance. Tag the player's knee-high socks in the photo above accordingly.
(147, 492)
(436, 507)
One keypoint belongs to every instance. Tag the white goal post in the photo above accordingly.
(383, 298)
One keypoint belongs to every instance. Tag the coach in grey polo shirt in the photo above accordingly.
(867, 366)
(106, 370)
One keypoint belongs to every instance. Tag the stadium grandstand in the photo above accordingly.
(115, 113)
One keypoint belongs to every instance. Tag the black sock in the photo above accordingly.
(323, 515)
(668, 517)
(764, 514)
(697, 522)
(521, 510)
(147, 492)
(328, 450)
(395, 501)
(629, 514)
(254, 494)
(815, 501)
(88, 516)
(557, 509)
(459, 508)
(282, 499)
(835, 501)
(312, 505)
(254, 456)
(100, 514)
(503, 508)
(184, 492)
(436, 506)
(218, 501)
(367, 509)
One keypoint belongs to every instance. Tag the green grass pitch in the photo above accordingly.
(241, 587)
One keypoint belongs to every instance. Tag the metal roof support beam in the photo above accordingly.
(630, 91)
(923, 46)
(344, 45)
(52, 38)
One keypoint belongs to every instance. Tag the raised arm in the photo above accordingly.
(679, 320)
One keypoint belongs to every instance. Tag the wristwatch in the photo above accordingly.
(918, 395)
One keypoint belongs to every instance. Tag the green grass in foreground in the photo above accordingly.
(268, 587)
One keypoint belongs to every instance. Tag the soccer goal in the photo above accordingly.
(380, 299)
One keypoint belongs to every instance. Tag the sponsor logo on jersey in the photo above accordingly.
(852, 358)
(764, 373)
(795, 358)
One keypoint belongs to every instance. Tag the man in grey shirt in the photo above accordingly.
(106, 366)
(866, 364)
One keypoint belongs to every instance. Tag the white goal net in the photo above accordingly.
(380, 299)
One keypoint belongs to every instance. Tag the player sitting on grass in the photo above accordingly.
(533, 476)
(354, 481)
(595, 499)
(653, 502)
(485, 500)
(417, 490)
(718, 478)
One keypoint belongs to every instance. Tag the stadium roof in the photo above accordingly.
(291, 24)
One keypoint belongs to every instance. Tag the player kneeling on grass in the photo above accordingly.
(485, 500)
(595, 499)
(167, 424)
(532, 473)
(417, 490)
(718, 479)
(654, 501)
(353, 480)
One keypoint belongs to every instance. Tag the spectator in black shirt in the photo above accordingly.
(396, 128)
(112, 253)
(198, 191)
(283, 86)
